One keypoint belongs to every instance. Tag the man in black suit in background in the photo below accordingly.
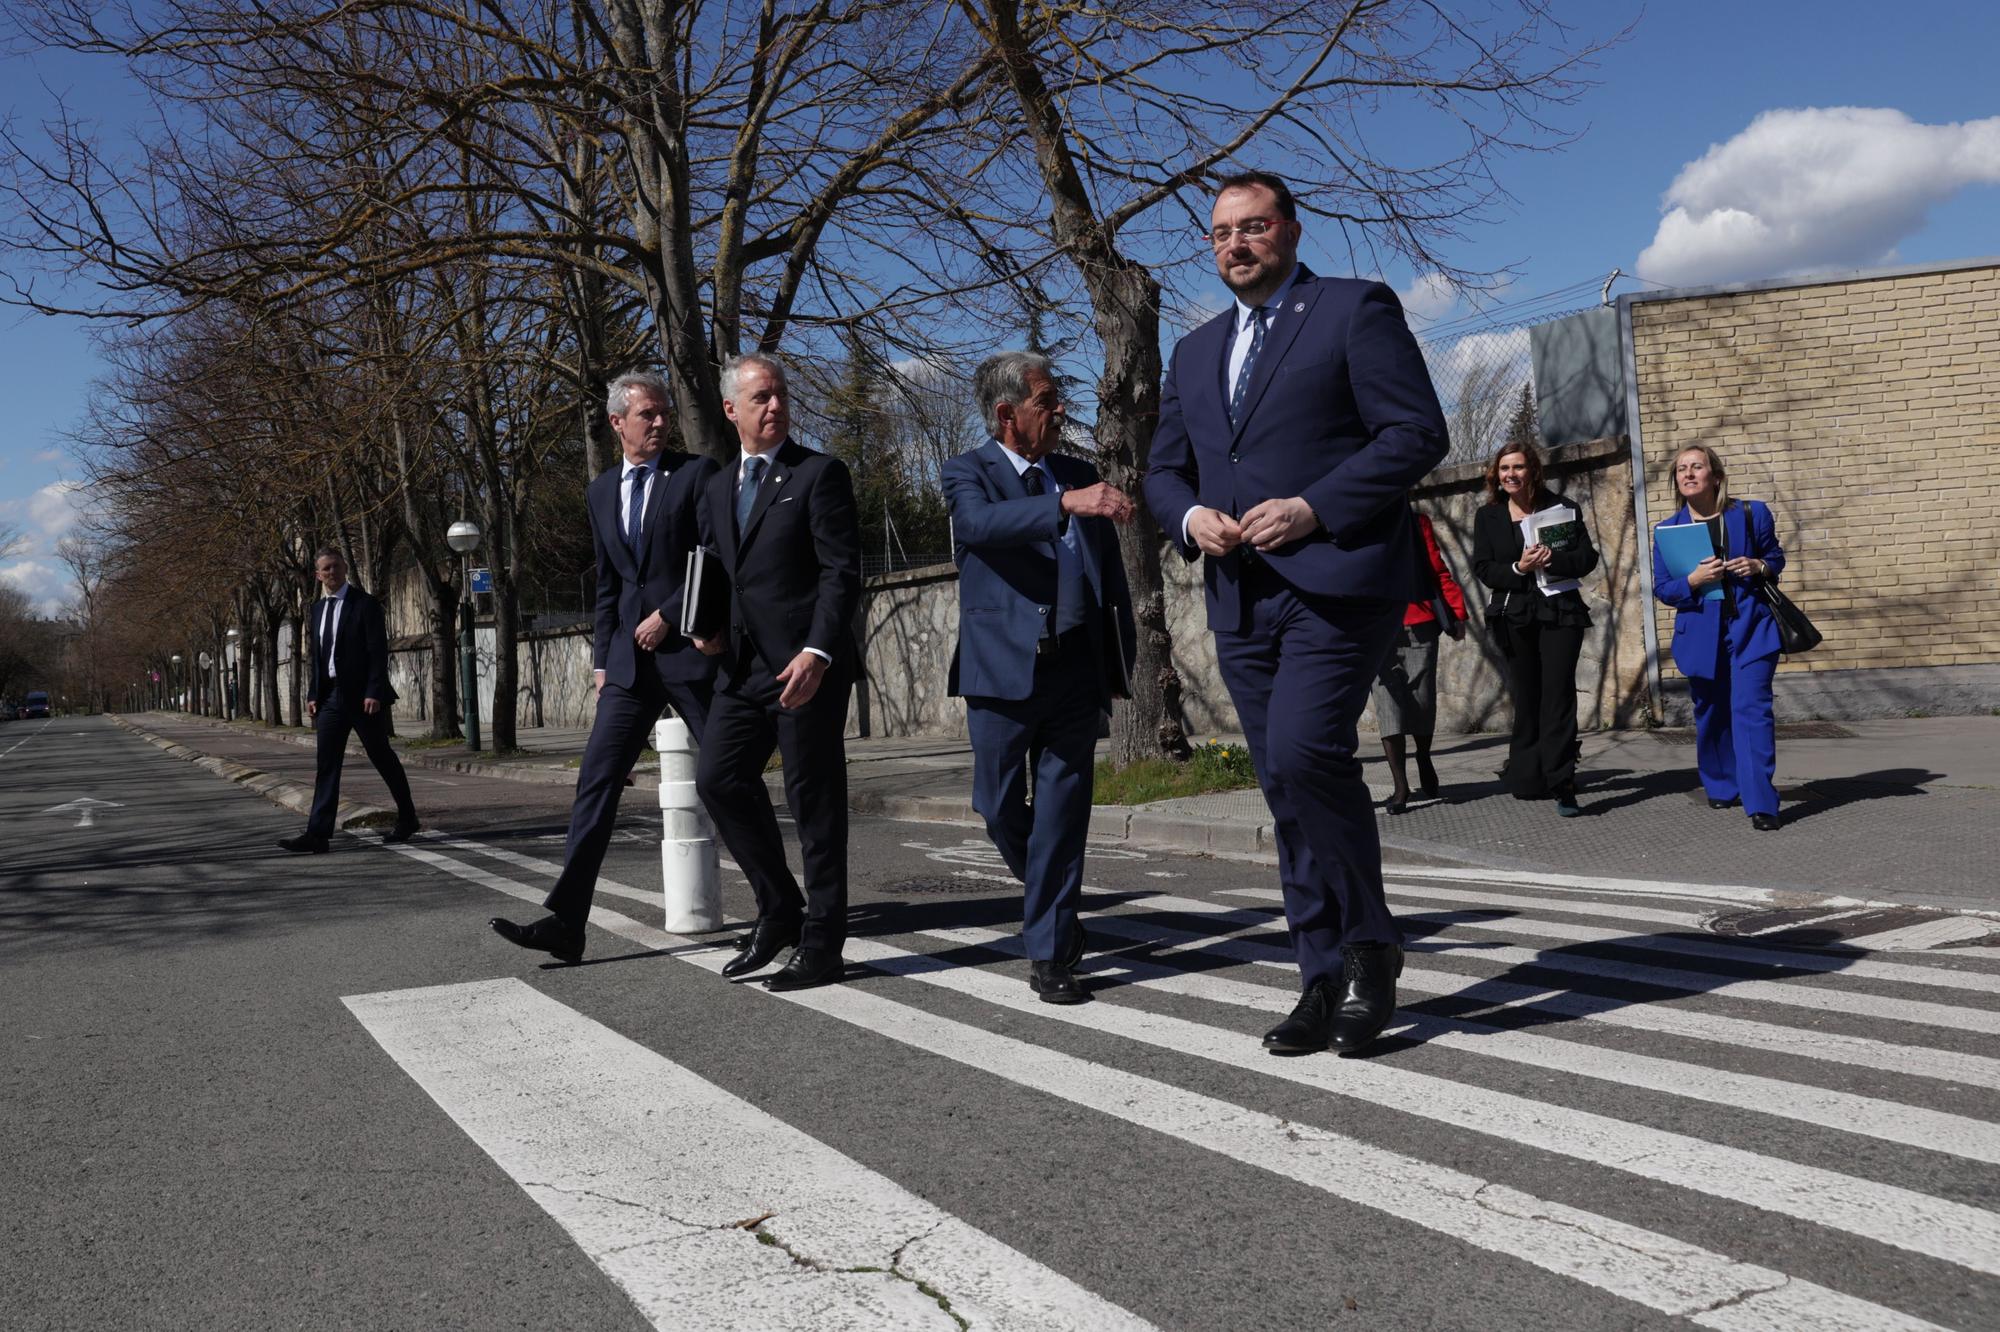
(642, 525)
(783, 521)
(350, 692)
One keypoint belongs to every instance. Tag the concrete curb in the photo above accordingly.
(277, 790)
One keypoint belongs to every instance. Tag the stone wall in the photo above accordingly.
(1863, 411)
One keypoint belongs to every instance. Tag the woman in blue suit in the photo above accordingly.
(1728, 648)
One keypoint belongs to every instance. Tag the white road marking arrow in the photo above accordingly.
(85, 807)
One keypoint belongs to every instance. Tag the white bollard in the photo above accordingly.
(689, 870)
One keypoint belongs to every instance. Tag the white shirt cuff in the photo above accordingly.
(1184, 523)
(823, 656)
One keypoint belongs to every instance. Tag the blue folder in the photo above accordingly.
(1684, 545)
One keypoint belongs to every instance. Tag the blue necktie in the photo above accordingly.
(753, 472)
(1236, 394)
(636, 508)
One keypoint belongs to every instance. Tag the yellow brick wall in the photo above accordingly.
(1867, 415)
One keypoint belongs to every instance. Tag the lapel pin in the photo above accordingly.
(1298, 307)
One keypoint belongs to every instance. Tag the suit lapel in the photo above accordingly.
(1290, 316)
(1001, 468)
(1070, 475)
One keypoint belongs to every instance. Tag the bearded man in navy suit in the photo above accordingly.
(642, 525)
(1044, 631)
(1291, 430)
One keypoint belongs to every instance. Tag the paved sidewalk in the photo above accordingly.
(1899, 810)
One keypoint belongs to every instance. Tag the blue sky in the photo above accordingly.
(1726, 140)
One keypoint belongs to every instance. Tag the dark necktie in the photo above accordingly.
(1242, 387)
(753, 472)
(1034, 482)
(636, 507)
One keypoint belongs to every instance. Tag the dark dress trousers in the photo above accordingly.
(1037, 674)
(1541, 638)
(794, 573)
(634, 579)
(1339, 410)
(1728, 650)
(360, 671)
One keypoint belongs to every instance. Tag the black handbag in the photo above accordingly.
(1796, 631)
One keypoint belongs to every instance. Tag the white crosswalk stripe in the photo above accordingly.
(1876, 1077)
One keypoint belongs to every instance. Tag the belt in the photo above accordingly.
(1069, 640)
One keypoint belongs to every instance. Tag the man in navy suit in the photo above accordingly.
(1044, 620)
(642, 524)
(350, 693)
(783, 522)
(1291, 430)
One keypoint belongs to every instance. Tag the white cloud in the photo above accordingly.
(1813, 189)
(47, 584)
(1428, 298)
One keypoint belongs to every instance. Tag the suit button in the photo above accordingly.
(1041, 610)
(1234, 458)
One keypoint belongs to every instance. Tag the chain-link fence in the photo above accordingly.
(1485, 380)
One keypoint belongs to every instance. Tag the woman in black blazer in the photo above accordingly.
(1540, 632)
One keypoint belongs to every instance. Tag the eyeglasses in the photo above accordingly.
(1255, 228)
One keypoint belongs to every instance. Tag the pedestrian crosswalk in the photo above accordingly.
(1561, 1053)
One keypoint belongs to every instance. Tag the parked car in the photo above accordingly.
(8, 712)
(36, 704)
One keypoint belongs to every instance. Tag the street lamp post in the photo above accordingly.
(463, 537)
(205, 662)
(174, 678)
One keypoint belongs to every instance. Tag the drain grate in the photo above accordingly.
(945, 887)
(1805, 730)
(1865, 929)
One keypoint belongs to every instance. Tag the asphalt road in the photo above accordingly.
(246, 1089)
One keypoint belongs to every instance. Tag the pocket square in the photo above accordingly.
(786, 500)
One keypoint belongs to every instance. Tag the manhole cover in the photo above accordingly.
(1873, 929)
(1805, 730)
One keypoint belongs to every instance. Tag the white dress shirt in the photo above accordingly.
(339, 600)
(1239, 348)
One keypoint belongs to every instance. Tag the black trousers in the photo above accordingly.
(339, 716)
(1541, 678)
(745, 724)
(618, 733)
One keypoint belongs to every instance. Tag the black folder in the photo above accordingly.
(705, 595)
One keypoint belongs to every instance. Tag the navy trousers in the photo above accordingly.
(623, 724)
(1736, 734)
(338, 716)
(1299, 672)
(745, 724)
(1053, 731)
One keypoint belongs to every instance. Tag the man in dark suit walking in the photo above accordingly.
(642, 525)
(1044, 621)
(1291, 430)
(350, 693)
(783, 522)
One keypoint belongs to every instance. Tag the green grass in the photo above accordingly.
(1212, 767)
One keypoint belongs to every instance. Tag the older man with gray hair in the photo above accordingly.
(1045, 634)
(642, 524)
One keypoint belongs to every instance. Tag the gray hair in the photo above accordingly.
(1004, 378)
(619, 397)
(325, 551)
(734, 366)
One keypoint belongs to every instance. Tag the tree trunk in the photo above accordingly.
(298, 684)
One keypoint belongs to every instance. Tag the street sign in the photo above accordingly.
(482, 580)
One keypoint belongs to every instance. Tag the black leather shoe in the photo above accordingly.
(1056, 983)
(1367, 993)
(1427, 780)
(402, 832)
(304, 844)
(1072, 954)
(1765, 822)
(767, 939)
(1306, 1030)
(808, 967)
(1393, 806)
(1713, 803)
(1566, 805)
(547, 935)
